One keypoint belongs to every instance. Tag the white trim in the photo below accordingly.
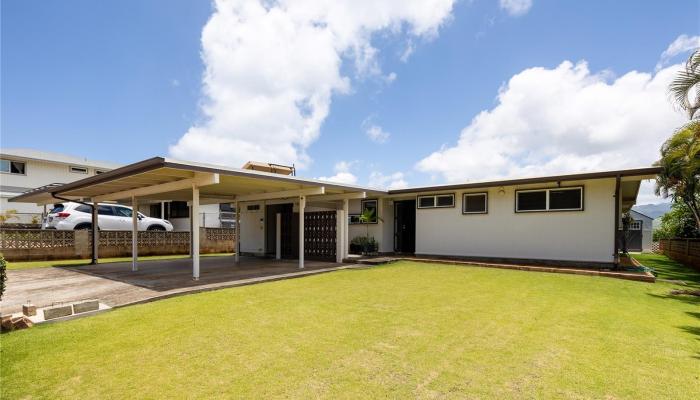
(9, 172)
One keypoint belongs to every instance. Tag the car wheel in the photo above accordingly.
(83, 227)
(156, 228)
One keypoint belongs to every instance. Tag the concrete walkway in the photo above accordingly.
(116, 285)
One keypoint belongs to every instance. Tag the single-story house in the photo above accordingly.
(640, 232)
(563, 220)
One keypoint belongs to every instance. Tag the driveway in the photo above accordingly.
(115, 284)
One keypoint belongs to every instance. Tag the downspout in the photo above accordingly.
(95, 238)
(616, 247)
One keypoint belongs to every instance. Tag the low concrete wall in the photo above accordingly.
(685, 251)
(30, 245)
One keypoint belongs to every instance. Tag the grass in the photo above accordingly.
(405, 330)
(82, 261)
(665, 268)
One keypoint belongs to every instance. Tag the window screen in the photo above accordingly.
(474, 203)
(565, 199)
(532, 201)
(426, 202)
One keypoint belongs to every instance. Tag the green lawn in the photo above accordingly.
(82, 261)
(406, 330)
(665, 268)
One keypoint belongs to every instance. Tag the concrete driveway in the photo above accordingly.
(115, 284)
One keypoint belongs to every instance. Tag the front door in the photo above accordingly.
(405, 226)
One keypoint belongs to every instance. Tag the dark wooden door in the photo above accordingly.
(405, 226)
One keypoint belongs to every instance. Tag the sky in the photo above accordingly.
(380, 93)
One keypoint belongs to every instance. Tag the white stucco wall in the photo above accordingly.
(565, 235)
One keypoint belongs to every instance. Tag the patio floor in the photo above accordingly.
(116, 285)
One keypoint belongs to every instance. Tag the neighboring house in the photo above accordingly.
(564, 220)
(640, 232)
(26, 169)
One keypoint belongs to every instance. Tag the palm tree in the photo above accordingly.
(684, 88)
(680, 159)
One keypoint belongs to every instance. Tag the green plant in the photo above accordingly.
(680, 177)
(3, 275)
(684, 86)
(36, 219)
(677, 223)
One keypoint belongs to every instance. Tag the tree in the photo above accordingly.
(8, 215)
(677, 223)
(680, 159)
(684, 88)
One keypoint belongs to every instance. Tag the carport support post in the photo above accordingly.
(134, 234)
(346, 233)
(238, 233)
(195, 232)
(302, 206)
(95, 234)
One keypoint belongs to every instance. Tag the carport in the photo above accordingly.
(162, 179)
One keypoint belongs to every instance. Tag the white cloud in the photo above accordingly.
(272, 67)
(174, 83)
(682, 44)
(342, 173)
(515, 7)
(562, 120)
(392, 181)
(376, 134)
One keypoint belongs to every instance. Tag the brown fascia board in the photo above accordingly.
(525, 181)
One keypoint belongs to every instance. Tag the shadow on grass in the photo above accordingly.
(665, 268)
(693, 330)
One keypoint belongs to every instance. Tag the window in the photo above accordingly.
(226, 207)
(555, 199)
(105, 210)
(57, 208)
(97, 172)
(179, 209)
(369, 206)
(354, 219)
(12, 167)
(253, 207)
(84, 208)
(565, 199)
(436, 201)
(475, 203)
(635, 225)
(78, 170)
(123, 212)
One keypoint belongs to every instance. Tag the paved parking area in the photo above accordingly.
(115, 284)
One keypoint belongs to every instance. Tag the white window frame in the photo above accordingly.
(376, 210)
(435, 202)
(546, 199)
(486, 202)
(636, 225)
(9, 171)
(77, 170)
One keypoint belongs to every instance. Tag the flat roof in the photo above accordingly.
(160, 170)
(237, 182)
(642, 173)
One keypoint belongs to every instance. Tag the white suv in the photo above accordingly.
(111, 217)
